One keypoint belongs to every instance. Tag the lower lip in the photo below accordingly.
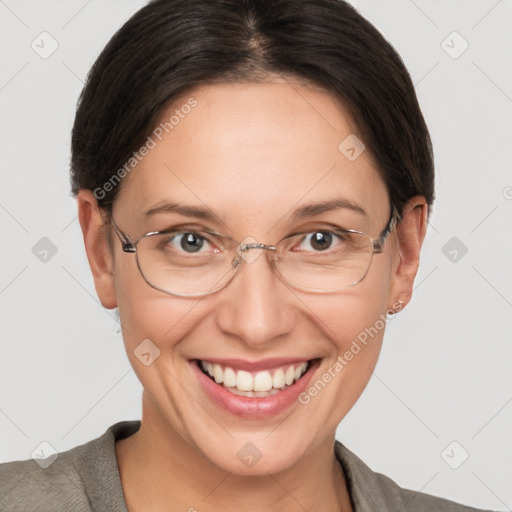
(254, 407)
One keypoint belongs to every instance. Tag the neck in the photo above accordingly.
(159, 468)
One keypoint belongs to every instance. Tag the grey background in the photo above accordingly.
(444, 374)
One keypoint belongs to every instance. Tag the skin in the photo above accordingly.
(252, 153)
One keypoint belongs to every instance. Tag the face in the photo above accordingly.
(253, 154)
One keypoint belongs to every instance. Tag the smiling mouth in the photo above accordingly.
(255, 384)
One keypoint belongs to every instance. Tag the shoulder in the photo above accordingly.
(80, 479)
(57, 484)
(374, 491)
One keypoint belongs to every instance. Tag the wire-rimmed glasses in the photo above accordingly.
(173, 261)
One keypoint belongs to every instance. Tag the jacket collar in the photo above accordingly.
(369, 491)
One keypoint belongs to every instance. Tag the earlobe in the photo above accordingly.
(410, 234)
(96, 246)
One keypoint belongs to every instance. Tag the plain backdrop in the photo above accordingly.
(437, 414)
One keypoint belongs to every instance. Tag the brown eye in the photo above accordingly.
(321, 240)
(318, 241)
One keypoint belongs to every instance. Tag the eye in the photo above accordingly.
(185, 242)
(321, 240)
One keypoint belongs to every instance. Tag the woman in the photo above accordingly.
(254, 180)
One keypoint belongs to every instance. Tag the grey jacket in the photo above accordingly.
(86, 478)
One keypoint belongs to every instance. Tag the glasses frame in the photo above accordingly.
(130, 246)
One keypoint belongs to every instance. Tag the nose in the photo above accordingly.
(256, 306)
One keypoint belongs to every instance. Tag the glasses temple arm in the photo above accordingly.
(378, 244)
(127, 244)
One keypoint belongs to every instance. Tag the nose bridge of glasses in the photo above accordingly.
(245, 254)
(245, 247)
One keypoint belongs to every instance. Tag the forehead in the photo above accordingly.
(254, 151)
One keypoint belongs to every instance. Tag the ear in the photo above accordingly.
(100, 258)
(410, 234)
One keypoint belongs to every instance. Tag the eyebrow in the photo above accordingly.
(311, 209)
(307, 210)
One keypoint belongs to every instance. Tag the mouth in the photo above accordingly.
(254, 390)
(247, 383)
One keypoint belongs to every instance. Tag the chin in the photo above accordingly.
(254, 453)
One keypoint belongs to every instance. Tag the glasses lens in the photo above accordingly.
(184, 264)
(179, 263)
(327, 263)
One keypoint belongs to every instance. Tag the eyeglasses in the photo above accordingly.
(174, 261)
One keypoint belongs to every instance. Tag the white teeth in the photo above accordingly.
(278, 379)
(229, 378)
(244, 381)
(262, 383)
(290, 375)
(218, 374)
(236, 391)
(300, 370)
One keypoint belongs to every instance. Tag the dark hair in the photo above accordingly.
(170, 46)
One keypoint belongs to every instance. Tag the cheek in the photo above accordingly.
(354, 321)
(355, 326)
(154, 326)
(146, 313)
(347, 315)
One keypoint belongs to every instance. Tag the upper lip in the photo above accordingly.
(264, 364)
